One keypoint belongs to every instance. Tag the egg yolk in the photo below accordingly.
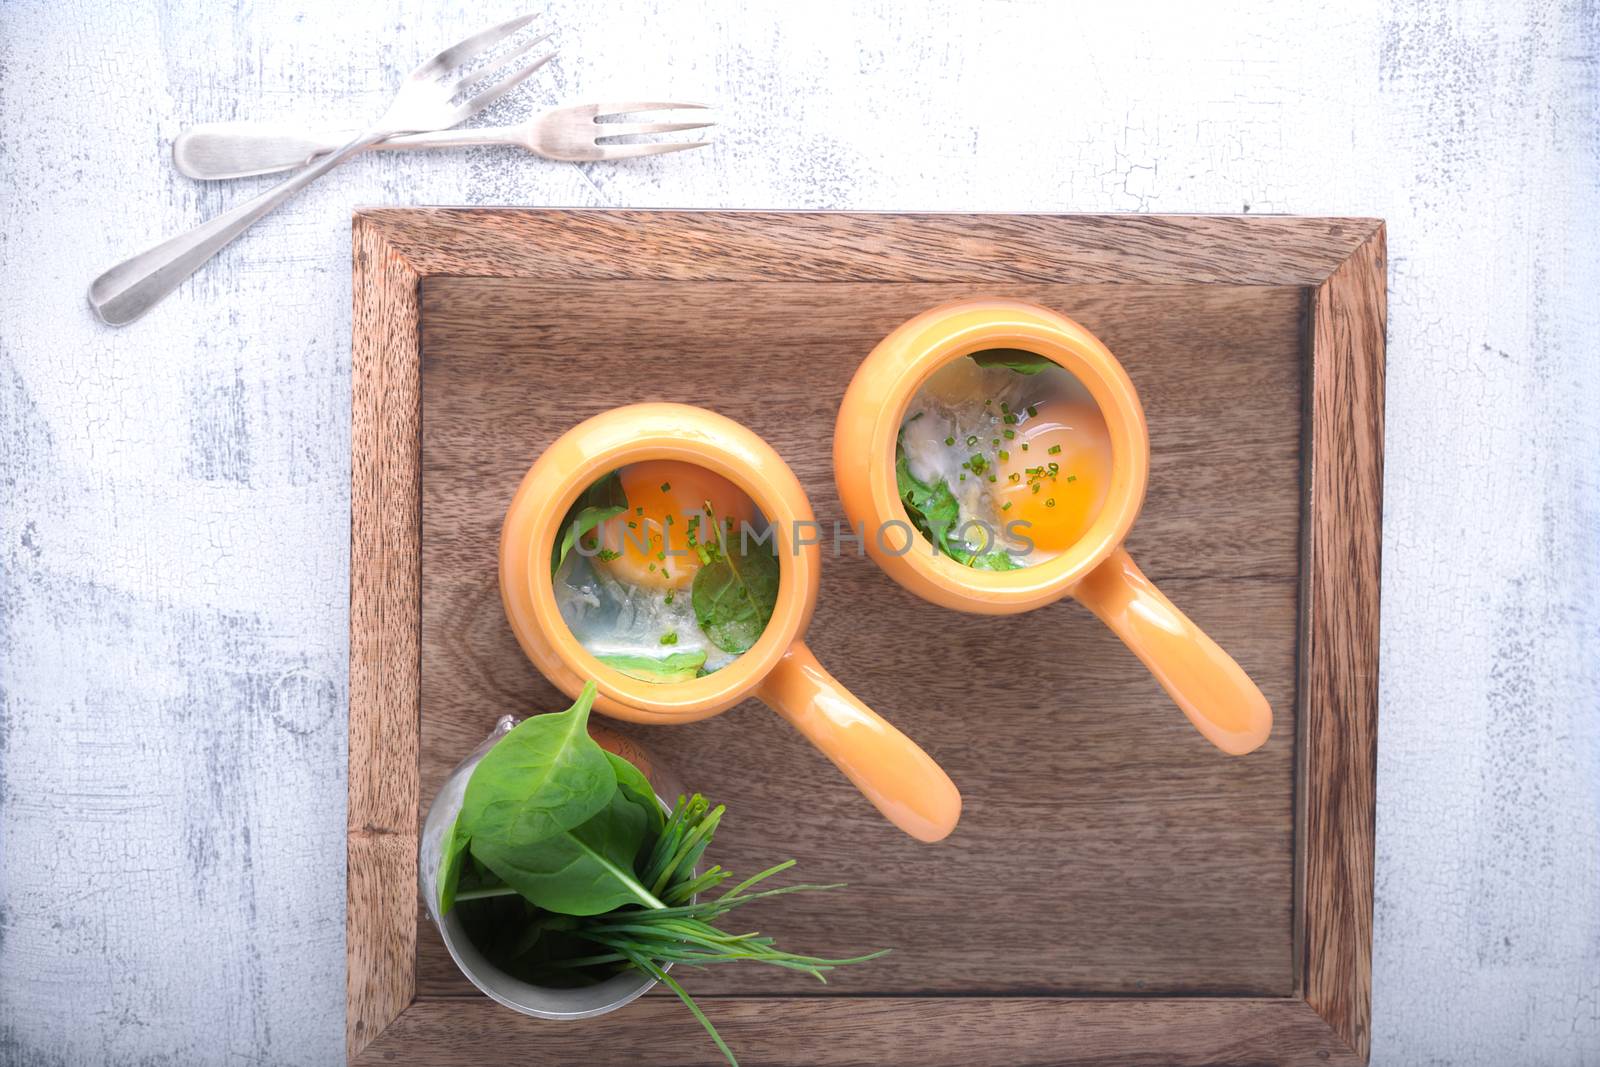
(666, 500)
(1054, 474)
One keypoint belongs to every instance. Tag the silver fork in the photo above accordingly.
(425, 101)
(240, 149)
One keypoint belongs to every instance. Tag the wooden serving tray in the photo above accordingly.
(1116, 890)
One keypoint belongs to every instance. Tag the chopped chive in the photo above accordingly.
(670, 637)
(1004, 455)
(666, 487)
(1032, 411)
(950, 440)
(1005, 408)
(1072, 477)
(1034, 487)
(1015, 477)
(992, 478)
(1024, 446)
(638, 511)
(1006, 506)
(670, 594)
(1050, 503)
(1054, 450)
(972, 439)
(1011, 435)
(1009, 420)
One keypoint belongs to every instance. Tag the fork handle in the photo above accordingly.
(239, 149)
(137, 284)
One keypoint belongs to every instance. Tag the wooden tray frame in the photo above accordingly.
(1342, 261)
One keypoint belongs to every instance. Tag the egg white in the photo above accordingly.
(964, 402)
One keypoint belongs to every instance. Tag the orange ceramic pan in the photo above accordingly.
(905, 784)
(1217, 696)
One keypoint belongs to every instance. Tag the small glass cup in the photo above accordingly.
(543, 1002)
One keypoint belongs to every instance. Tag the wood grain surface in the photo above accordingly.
(872, 1032)
(1105, 850)
(1349, 316)
(1156, 863)
(828, 246)
(384, 573)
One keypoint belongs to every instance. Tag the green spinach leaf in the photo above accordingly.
(601, 501)
(544, 777)
(932, 508)
(677, 667)
(936, 515)
(734, 593)
(1012, 359)
(734, 597)
(585, 870)
(637, 788)
(455, 851)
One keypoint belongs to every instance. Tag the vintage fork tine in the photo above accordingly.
(497, 63)
(643, 105)
(625, 151)
(483, 99)
(630, 129)
(473, 46)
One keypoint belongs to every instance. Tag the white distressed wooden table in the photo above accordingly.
(174, 496)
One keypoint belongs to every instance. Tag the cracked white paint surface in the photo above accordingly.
(174, 496)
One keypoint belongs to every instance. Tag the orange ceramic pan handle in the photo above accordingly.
(911, 790)
(1216, 694)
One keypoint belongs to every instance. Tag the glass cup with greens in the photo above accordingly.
(564, 884)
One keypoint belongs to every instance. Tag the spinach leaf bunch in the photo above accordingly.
(550, 814)
(565, 868)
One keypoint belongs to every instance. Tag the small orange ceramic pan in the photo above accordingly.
(1211, 689)
(905, 784)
